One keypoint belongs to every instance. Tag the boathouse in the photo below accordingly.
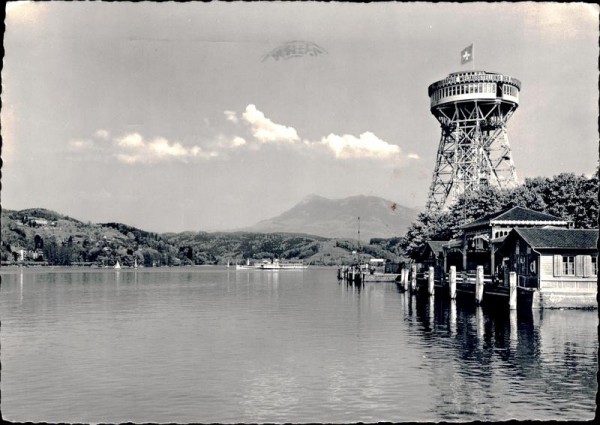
(483, 236)
(555, 267)
(432, 255)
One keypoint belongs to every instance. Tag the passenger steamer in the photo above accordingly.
(272, 265)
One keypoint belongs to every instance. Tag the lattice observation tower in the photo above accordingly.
(473, 108)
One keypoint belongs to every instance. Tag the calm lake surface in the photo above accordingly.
(212, 344)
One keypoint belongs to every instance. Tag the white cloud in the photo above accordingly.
(231, 116)
(235, 142)
(101, 134)
(87, 144)
(132, 148)
(161, 148)
(265, 130)
(238, 141)
(81, 144)
(367, 145)
(133, 140)
(198, 152)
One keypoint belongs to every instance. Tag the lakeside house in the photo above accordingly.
(556, 267)
(482, 237)
(432, 255)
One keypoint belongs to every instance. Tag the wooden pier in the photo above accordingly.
(479, 287)
(351, 274)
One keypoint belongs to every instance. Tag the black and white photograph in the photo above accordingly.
(299, 212)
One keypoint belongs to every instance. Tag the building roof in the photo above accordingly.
(434, 246)
(437, 246)
(516, 216)
(542, 239)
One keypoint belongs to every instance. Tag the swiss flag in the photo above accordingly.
(466, 55)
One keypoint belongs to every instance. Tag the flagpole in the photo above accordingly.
(473, 53)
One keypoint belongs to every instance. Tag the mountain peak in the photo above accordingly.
(312, 198)
(337, 218)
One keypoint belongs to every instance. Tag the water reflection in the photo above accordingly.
(452, 318)
(21, 285)
(549, 349)
(479, 325)
(513, 329)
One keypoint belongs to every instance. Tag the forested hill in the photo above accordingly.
(47, 237)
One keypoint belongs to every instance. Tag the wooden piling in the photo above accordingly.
(430, 280)
(452, 282)
(413, 278)
(405, 279)
(479, 285)
(512, 295)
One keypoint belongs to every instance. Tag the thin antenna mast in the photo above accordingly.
(359, 233)
(358, 251)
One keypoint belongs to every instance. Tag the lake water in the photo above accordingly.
(218, 345)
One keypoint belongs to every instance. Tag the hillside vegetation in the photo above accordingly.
(47, 237)
(569, 196)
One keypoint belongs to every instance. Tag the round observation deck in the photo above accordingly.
(468, 86)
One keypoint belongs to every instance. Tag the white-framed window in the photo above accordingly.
(576, 265)
(568, 265)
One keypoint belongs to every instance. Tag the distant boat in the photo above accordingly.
(281, 265)
(117, 265)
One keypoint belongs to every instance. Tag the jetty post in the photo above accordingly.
(479, 285)
(404, 278)
(452, 282)
(413, 278)
(512, 295)
(430, 280)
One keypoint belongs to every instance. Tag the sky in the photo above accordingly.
(190, 116)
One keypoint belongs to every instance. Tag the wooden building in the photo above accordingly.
(483, 236)
(555, 267)
(432, 255)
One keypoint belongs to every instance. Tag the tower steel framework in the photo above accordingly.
(473, 108)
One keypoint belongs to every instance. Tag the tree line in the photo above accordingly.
(568, 196)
